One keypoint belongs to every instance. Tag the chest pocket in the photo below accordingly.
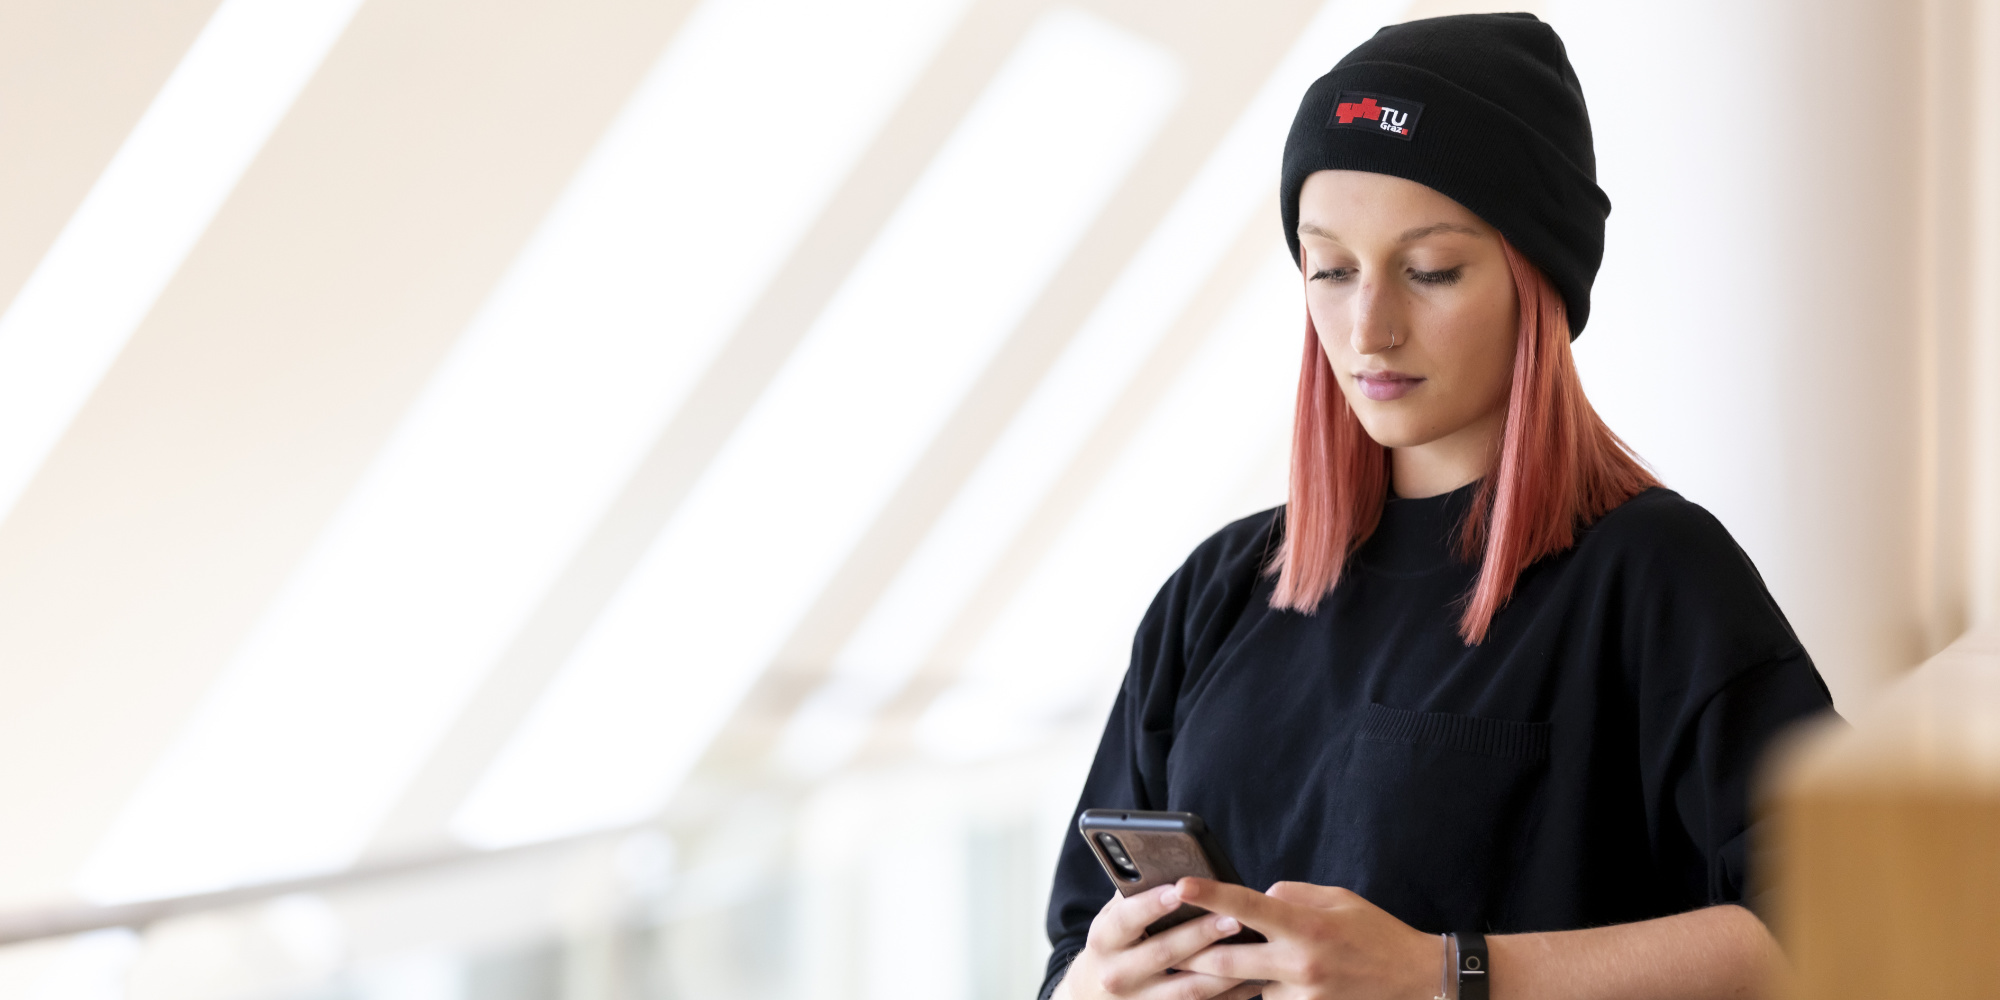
(1438, 806)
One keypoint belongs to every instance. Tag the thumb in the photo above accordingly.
(1306, 894)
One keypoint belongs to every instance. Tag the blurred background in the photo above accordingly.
(647, 499)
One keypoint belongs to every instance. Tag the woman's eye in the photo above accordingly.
(1448, 276)
(1333, 274)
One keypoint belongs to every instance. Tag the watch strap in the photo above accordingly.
(1473, 980)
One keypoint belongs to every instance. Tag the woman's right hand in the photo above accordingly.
(1120, 961)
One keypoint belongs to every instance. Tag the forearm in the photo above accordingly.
(1722, 951)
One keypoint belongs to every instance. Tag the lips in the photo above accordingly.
(1386, 385)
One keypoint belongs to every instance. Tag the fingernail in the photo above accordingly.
(1228, 925)
(1171, 897)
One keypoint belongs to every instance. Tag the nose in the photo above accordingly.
(1377, 320)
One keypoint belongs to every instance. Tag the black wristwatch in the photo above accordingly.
(1472, 965)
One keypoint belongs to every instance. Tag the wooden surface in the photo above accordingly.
(1885, 846)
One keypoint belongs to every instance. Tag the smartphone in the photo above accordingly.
(1142, 850)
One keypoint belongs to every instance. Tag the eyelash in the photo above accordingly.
(1448, 276)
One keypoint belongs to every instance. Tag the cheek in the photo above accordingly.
(1477, 345)
(1474, 370)
(1503, 378)
(1483, 387)
(1496, 364)
(1328, 322)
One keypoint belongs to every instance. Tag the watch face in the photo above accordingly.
(1471, 966)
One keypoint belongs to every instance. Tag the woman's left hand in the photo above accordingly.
(1323, 942)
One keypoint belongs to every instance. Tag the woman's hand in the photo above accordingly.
(1323, 942)
(1120, 961)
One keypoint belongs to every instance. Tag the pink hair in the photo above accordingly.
(1560, 469)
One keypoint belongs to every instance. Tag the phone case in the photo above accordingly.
(1164, 847)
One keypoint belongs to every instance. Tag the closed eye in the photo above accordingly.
(1448, 276)
(1332, 274)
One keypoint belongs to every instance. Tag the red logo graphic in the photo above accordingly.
(1366, 109)
(1378, 113)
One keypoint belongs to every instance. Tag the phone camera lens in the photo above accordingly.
(1119, 859)
(1113, 847)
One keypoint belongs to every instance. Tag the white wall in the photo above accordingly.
(1754, 332)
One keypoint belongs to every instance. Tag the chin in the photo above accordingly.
(1390, 431)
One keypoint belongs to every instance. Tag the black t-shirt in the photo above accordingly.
(1587, 764)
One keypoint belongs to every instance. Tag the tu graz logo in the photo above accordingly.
(1378, 113)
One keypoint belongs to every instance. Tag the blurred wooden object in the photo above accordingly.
(1885, 854)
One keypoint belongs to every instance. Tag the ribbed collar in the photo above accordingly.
(1418, 535)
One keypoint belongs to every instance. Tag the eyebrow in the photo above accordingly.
(1435, 228)
(1308, 229)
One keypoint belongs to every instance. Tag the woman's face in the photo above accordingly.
(1415, 309)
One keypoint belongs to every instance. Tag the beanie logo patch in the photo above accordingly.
(1378, 113)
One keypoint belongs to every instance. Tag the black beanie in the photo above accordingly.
(1483, 108)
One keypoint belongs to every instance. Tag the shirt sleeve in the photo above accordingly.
(1726, 745)
(1080, 886)
(1126, 754)
(1187, 621)
(1720, 675)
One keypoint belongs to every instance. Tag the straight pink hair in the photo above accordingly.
(1559, 469)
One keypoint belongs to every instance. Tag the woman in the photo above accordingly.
(1481, 674)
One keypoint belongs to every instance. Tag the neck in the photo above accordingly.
(1443, 465)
